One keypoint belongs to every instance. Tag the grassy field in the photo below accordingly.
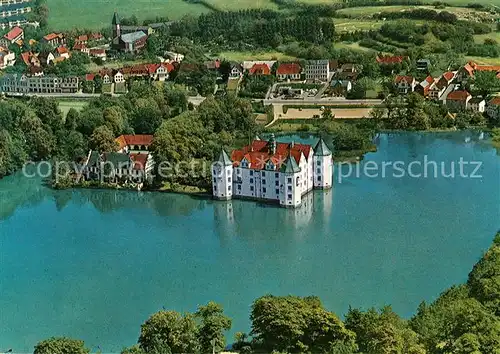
(367, 11)
(349, 25)
(115, 64)
(96, 14)
(484, 60)
(257, 55)
(243, 4)
(66, 105)
(479, 38)
(355, 46)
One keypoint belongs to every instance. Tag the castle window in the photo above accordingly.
(289, 196)
(289, 188)
(319, 163)
(251, 188)
(229, 179)
(263, 174)
(215, 188)
(263, 181)
(277, 175)
(277, 183)
(229, 188)
(318, 170)
(239, 187)
(297, 181)
(251, 180)
(277, 191)
(264, 190)
(289, 180)
(251, 173)
(319, 178)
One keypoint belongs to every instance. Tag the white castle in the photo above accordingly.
(273, 171)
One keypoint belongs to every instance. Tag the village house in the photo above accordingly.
(7, 58)
(13, 12)
(54, 39)
(62, 52)
(175, 57)
(14, 35)
(81, 47)
(35, 71)
(423, 87)
(423, 65)
(390, 59)
(98, 53)
(493, 109)
(212, 64)
(347, 71)
(404, 84)
(134, 143)
(458, 100)
(288, 71)
(259, 69)
(340, 88)
(46, 58)
(477, 104)
(236, 70)
(30, 59)
(438, 90)
(276, 172)
(317, 70)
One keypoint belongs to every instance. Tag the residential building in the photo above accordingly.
(81, 47)
(236, 70)
(458, 100)
(134, 143)
(493, 108)
(390, 59)
(347, 71)
(424, 87)
(176, 57)
(465, 73)
(259, 69)
(13, 12)
(46, 58)
(62, 52)
(405, 84)
(340, 88)
(477, 104)
(275, 172)
(318, 70)
(7, 58)
(14, 35)
(17, 83)
(98, 53)
(54, 39)
(288, 71)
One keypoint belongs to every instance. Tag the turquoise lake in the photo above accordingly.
(95, 265)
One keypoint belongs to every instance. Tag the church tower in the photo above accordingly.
(222, 177)
(323, 166)
(116, 26)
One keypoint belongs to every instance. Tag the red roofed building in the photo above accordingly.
(405, 84)
(54, 39)
(388, 60)
(89, 77)
(143, 165)
(424, 87)
(289, 71)
(129, 143)
(81, 47)
(14, 35)
(458, 100)
(260, 69)
(98, 53)
(62, 52)
(279, 172)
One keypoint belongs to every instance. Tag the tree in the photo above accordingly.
(61, 346)
(103, 140)
(327, 113)
(171, 331)
(113, 119)
(213, 324)
(486, 82)
(146, 117)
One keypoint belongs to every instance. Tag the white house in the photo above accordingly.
(318, 70)
(276, 172)
(405, 84)
(7, 58)
(118, 77)
(477, 104)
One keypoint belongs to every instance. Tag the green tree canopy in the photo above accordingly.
(61, 346)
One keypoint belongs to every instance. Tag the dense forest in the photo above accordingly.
(464, 319)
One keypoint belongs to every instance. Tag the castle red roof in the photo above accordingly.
(458, 95)
(288, 69)
(14, 33)
(62, 50)
(89, 77)
(139, 160)
(258, 154)
(448, 75)
(400, 78)
(260, 69)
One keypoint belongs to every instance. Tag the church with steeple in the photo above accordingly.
(273, 171)
(129, 39)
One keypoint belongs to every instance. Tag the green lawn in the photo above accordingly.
(479, 38)
(66, 105)
(96, 14)
(350, 25)
(254, 55)
(355, 46)
(484, 60)
(367, 11)
(243, 4)
(115, 64)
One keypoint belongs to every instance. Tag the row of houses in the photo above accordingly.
(13, 12)
(24, 84)
(152, 71)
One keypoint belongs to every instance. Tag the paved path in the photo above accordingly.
(322, 101)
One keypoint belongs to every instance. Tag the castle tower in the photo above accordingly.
(116, 26)
(323, 166)
(222, 177)
(290, 191)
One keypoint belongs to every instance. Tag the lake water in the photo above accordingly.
(95, 264)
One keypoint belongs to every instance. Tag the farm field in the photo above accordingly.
(243, 4)
(257, 55)
(67, 14)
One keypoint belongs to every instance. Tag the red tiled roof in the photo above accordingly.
(82, 38)
(14, 33)
(400, 78)
(260, 69)
(448, 75)
(97, 51)
(390, 59)
(62, 50)
(495, 101)
(140, 161)
(487, 68)
(140, 139)
(429, 79)
(96, 36)
(79, 46)
(26, 58)
(258, 154)
(89, 77)
(468, 67)
(458, 96)
(52, 36)
(288, 69)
